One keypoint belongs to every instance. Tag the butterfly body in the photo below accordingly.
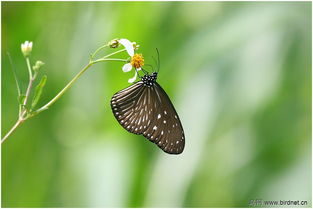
(144, 108)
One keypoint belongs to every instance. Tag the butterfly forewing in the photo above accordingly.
(147, 110)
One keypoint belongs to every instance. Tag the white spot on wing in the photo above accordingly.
(159, 116)
(155, 128)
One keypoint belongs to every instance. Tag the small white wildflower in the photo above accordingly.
(26, 48)
(136, 59)
(128, 46)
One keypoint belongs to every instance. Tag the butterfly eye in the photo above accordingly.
(144, 108)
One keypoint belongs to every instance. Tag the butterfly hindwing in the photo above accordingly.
(147, 110)
(124, 104)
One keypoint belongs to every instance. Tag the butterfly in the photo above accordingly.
(145, 109)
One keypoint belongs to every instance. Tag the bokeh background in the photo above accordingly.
(238, 73)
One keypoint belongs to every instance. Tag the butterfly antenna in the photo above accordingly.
(158, 59)
(143, 70)
(155, 62)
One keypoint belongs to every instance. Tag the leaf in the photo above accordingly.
(21, 99)
(38, 91)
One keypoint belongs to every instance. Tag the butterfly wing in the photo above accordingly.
(148, 111)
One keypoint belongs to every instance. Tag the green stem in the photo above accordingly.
(17, 124)
(46, 106)
(110, 59)
(94, 54)
(109, 55)
(29, 87)
(29, 68)
(17, 84)
(15, 75)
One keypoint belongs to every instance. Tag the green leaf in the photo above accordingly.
(21, 99)
(38, 91)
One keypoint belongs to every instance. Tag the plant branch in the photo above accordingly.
(46, 106)
(24, 114)
(94, 54)
(18, 122)
(110, 59)
(109, 55)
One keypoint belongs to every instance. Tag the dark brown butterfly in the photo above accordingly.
(144, 108)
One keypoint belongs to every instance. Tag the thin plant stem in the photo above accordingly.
(109, 55)
(46, 106)
(17, 84)
(29, 87)
(94, 54)
(18, 122)
(29, 68)
(31, 80)
(15, 75)
(111, 59)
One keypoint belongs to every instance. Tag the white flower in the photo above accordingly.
(136, 59)
(26, 48)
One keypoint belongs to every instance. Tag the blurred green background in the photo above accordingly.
(238, 73)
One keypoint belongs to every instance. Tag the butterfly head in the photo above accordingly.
(149, 80)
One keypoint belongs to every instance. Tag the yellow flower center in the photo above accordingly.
(137, 61)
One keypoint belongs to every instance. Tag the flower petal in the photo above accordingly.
(128, 46)
(132, 80)
(127, 67)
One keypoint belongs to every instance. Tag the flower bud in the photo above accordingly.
(135, 45)
(27, 48)
(114, 43)
(38, 65)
